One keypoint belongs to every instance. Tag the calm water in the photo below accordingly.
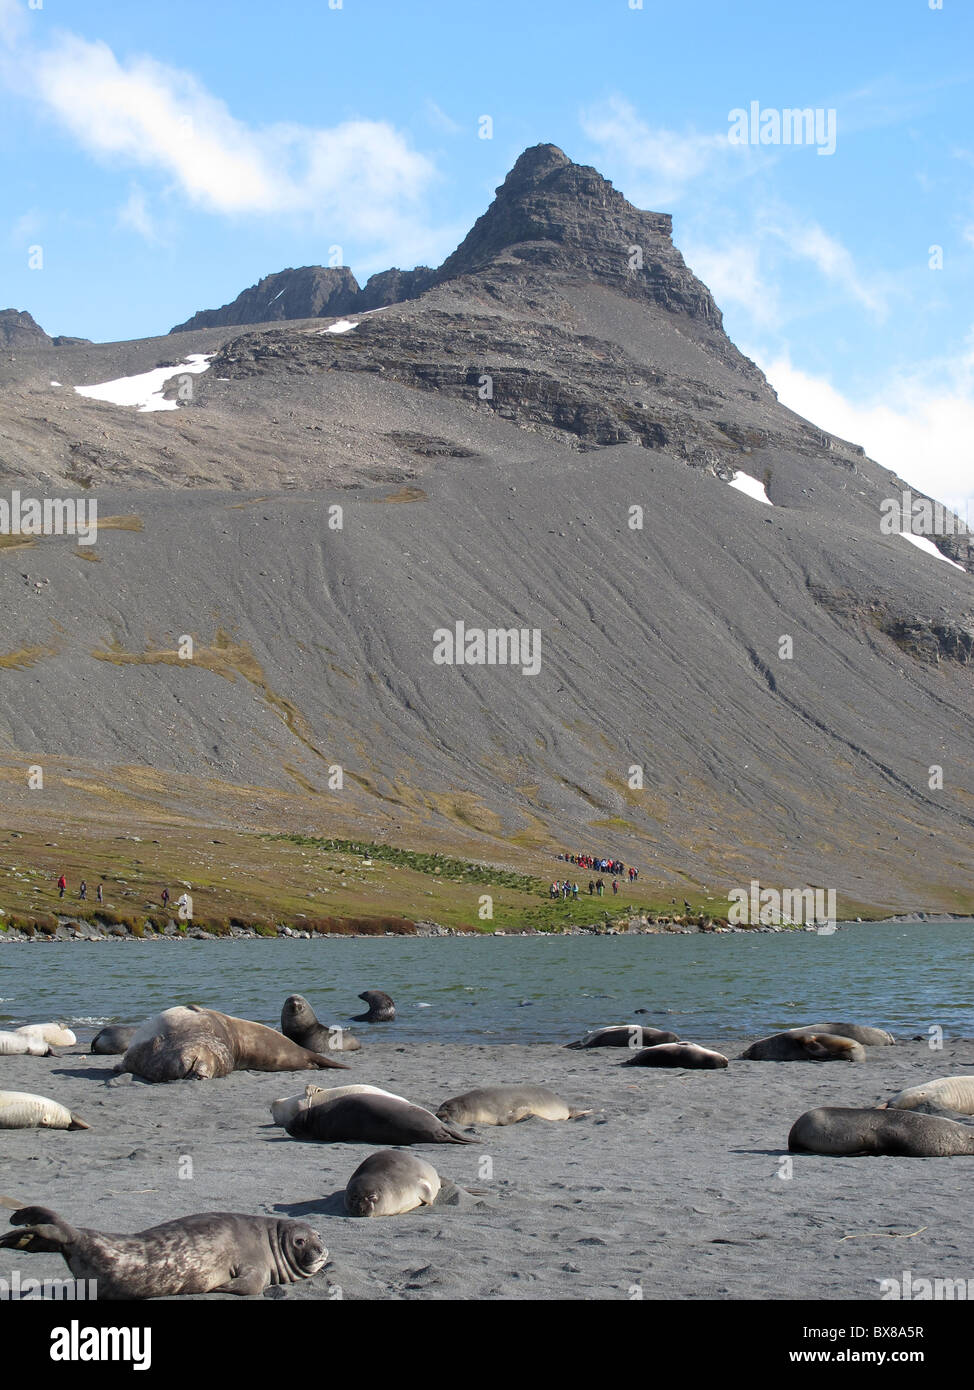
(518, 989)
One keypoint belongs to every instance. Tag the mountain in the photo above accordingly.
(542, 433)
(18, 329)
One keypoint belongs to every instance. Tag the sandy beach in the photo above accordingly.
(671, 1188)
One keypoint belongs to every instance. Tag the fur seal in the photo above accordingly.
(381, 1008)
(282, 1110)
(372, 1120)
(858, 1032)
(903, 1133)
(625, 1035)
(390, 1183)
(202, 1043)
(954, 1093)
(804, 1047)
(213, 1252)
(23, 1045)
(114, 1041)
(21, 1110)
(54, 1034)
(678, 1055)
(506, 1105)
(298, 1022)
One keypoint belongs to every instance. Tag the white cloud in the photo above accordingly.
(919, 425)
(835, 262)
(659, 162)
(734, 275)
(359, 177)
(134, 213)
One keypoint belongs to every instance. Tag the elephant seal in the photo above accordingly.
(284, 1109)
(954, 1093)
(381, 1008)
(201, 1043)
(298, 1022)
(506, 1105)
(858, 1032)
(113, 1041)
(625, 1035)
(390, 1183)
(902, 1133)
(23, 1045)
(213, 1252)
(678, 1055)
(21, 1110)
(804, 1047)
(54, 1034)
(371, 1120)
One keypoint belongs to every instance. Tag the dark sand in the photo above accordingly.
(672, 1184)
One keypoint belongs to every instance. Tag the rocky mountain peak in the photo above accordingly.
(19, 330)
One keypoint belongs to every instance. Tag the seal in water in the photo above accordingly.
(372, 1120)
(284, 1109)
(201, 1043)
(625, 1035)
(804, 1047)
(114, 1041)
(381, 1008)
(23, 1045)
(298, 1022)
(678, 1055)
(953, 1093)
(21, 1110)
(54, 1034)
(390, 1183)
(858, 1032)
(214, 1252)
(506, 1105)
(901, 1133)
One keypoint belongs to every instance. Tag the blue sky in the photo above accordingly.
(165, 157)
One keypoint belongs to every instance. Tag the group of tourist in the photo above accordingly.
(596, 886)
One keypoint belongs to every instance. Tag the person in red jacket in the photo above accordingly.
(62, 883)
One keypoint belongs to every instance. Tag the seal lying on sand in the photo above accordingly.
(54, 1034)
(201, 1043)
(372, 1120)
(678, 1055)
(214, 1252)
(390, 1183)
(903, 1133)
(858, 1032)
(298, 1022)
(23, 1045)
(804, 1047)
(506, 1105)
(381, 1007)
(954, 1093)
(21, 1110)
(288, 1106)
(625, 1035)
(114, 1041)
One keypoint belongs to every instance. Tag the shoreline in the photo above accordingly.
(82, 929)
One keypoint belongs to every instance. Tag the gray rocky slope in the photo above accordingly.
(487, 441)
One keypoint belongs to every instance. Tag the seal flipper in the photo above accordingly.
(322, 1061)
(249, 1281)
(46, 1231)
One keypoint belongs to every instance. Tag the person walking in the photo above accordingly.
(83, 890)
(62, 883)
(99, 894)
(165, 898)
(615, 885)
(575, 891)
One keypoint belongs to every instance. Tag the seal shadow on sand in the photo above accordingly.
(449, 1195)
